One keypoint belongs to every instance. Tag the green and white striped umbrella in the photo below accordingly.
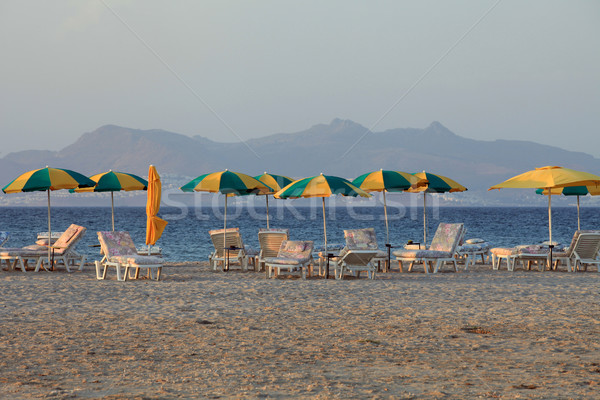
(113, 181)
(277, 182)
(386, 181)
(228, 183)
(320, 186)
(47, 179)
(433, 183)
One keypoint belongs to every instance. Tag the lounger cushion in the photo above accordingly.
(503, 251)
(474, 241)
(445, 237)
(65, 240)
(536, 249)
(361, 239)
(416, 254)
(466, 248)
(292, 252)
(117, 243)
(21, 252)
(134, 260)
(285, 260)
(294, 249)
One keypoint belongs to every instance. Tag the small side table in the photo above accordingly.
(328, 256)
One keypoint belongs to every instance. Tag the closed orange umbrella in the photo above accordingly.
(154, 225)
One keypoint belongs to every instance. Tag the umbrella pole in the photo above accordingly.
(324, 225)
(578, 221)
(550, 214)
(225, 234)
(387, 228)
(49, 231)
(425, 220)
(325, 236)
(551, 246)
(112, 206)
(267, 198)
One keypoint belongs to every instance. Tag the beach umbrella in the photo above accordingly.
(320, 186)
(572, 191)
(47, 179)
(550, 177)
(433, 183)
(385, 181)
(277, 182)
(113, 181)
(228, 183)
(154, 225)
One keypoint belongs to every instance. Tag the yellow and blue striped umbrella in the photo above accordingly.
(320, 186)
(386, 181)
(113, 181)
(47, 179)
(277, 182)
(433, 183)
(230, 184)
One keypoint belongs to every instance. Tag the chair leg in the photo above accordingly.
(82, 262)
(119, 276)
(21, 264)
(98, 275)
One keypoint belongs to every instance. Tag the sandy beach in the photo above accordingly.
(204, 334)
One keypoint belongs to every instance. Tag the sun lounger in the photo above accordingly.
(120, 251)
(62, 250)
(508, 254)
(360, 253)
(441, 251)
(225, 253)
(526, 254)
(582, 251)
(293, 255)
(270, 242)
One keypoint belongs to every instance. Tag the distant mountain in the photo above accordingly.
(342, 148)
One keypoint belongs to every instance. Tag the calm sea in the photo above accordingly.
(186, 236)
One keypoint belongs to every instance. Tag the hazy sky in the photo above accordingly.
(232, 70)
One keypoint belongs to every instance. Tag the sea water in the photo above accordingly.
(186, 236)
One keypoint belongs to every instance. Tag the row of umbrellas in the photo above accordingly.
(232, 183)
(551, 180)
(50, 179)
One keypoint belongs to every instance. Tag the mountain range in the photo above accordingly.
(342, 147)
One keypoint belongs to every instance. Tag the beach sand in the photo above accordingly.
(204, 334)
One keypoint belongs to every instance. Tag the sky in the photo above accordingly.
(234, 70)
